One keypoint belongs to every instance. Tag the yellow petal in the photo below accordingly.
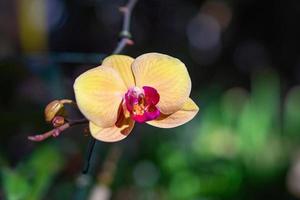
(122, 64)
(114, 133)
(98, 93)
(167, 75)
(185, 114)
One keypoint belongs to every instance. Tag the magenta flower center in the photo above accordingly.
(141, 103)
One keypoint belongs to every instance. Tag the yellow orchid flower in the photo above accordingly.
(153, 88)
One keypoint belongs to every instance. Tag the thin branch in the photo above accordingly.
(90, 149)
(125, 35)
(56, 131)
(78, 121)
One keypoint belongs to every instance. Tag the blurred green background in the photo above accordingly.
(243, 58)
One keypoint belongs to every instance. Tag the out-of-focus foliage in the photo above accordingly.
(246, 127)
(291, 113)
(31, 179)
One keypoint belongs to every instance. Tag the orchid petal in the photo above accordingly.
(98, 93)
(122, 64)
(185, 114)
(167, 75)
(112, 134)
(151, 95)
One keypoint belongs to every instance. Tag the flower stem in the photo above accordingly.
(56, 131)
(90, 149)
(125, 34)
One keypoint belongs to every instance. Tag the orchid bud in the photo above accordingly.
(56, 108)
(58, 121)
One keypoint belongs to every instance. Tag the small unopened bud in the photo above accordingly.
(53, 109)
(58, 121)
(56, 108)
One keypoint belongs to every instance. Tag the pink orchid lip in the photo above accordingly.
(141, 103)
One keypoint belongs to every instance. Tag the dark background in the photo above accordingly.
(224, 44)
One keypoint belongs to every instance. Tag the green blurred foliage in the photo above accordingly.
(31, 179)
(291, 113)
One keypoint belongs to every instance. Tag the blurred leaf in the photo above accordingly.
(291, 112)
(34, 176)
(260, 117)
(267, 164)
(233, 102)
(216, 137)
(265, 93)
(172, 158)
(42, 166)
(219, 143)
(184, 185)
(221, 179)
(16, 187)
